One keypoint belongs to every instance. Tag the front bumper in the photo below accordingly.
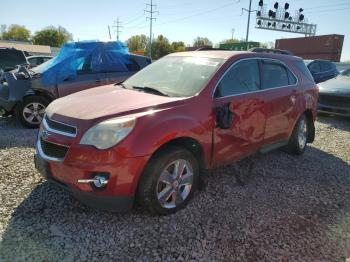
(5, 103)
(82, 163)
(334, 110)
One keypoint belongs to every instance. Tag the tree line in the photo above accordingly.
(51, 35)
(57, 36)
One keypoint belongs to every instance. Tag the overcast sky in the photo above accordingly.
(177, 20)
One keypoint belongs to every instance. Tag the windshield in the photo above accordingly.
(179, 76)
(346, 73)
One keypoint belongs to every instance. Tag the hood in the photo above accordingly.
(101, 102)
(337, 86)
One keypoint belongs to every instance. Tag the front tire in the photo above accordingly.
(31, 111)
(168, 181)
(298, 140)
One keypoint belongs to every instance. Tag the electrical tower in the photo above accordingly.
(150, 10)
(117, 26)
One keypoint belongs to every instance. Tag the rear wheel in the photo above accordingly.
(169, 181)
(298, 140)
(31, 111)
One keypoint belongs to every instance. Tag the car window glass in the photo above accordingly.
(242, 78)
(291, 78)
(326, 66)
(314, 67)
(84, 65)
(274, 75)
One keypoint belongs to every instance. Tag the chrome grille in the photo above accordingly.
(59, 128)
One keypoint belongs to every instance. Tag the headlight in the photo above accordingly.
(108, 133)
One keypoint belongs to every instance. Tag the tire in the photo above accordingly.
(32, 106)
(299, 138)
(165, 194)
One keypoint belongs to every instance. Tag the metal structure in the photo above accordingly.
(150, 10)
(117, 25)
(279, 18)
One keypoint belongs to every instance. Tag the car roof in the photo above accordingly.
(223, 54)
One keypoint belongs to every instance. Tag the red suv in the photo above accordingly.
(153, 137)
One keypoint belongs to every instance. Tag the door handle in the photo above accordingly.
(98, 80)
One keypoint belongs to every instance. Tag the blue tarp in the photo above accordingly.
(86, 57)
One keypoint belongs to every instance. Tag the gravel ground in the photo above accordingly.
(291, 209)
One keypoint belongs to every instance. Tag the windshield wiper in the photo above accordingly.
(150, 90)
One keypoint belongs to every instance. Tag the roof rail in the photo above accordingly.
(210, 48)
(273, 51)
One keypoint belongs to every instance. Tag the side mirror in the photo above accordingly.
(224, 116)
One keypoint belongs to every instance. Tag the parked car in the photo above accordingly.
(11, 57)
(153, 137)
(335, 95)
(79, 66)
(322, 70)
(34, 61)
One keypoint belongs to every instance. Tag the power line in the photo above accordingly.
(117, 25)
(199, 13)
(150, 10)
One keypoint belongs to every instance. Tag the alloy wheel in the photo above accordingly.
(33, 113)
(175, 184)
(302, 134)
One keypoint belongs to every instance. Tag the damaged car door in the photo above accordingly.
(240, 122)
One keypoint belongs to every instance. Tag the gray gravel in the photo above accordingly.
(291, 209)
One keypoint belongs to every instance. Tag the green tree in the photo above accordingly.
(52, 36)
(202, 41)
(160, 47)
(137, 43)
(230, 41)
(178, 46)
(15, 32)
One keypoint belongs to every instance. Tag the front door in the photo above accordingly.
(238, 96)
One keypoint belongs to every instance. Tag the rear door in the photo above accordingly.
(238, 95)
(280, 95)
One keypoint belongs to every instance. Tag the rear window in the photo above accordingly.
(304, 70)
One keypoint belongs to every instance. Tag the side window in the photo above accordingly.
(274, 75)
(314, 67)
(242, 78)
(326, 66)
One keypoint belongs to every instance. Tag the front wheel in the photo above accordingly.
(169, 181)
(31, 111)
(298, 140)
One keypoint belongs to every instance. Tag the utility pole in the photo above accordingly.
(109, 32)
(150, 10)
(233, 32)
(117, 25)
(248, 23)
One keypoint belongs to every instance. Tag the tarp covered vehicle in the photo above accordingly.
(78, 66)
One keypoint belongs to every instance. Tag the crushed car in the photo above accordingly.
(157, 134)
(27, 92)
(335, 95)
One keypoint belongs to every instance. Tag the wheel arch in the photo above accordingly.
(188, 143)
(35, 92)
(311, 125)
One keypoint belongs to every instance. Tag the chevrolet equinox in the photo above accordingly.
(153, 137)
